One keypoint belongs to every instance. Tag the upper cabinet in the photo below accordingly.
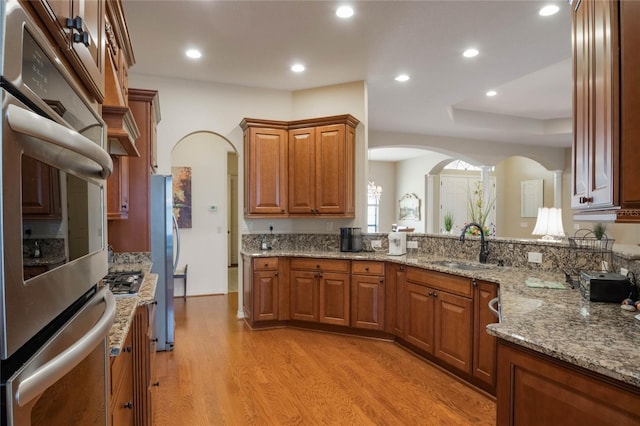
(606, 103)
(300, 168)
(77, 26)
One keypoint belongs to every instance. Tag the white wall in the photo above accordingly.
(410, 179)
(383, 173)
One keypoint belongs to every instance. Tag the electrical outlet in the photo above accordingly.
(523, 224)
(535, 257)
(376, 244)
(270, 226)
(412, 244)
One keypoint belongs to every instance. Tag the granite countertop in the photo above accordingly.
(126, 305)
(560, 323)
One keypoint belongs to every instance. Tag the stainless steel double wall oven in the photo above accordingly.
(53, 326)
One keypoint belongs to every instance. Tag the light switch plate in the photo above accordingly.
(376, 244)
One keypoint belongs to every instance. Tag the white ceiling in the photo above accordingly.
(525, 57)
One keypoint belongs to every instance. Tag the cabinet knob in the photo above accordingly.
(155, 340)
(124, 206)
(475, 283)
(366, 268)
(317, 266)
(430, 293)
(128, 405)
(156, 384)
(266, 265)
(402, 268)
(127, 349)
(275, 273)
(435, 294)
(381, 280)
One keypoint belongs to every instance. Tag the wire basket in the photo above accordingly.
(588, 253)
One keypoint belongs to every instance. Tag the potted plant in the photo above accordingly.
(599, 230)
(448, 222)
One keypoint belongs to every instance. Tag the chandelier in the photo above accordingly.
(373, 190)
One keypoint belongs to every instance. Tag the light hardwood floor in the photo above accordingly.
(223, 373)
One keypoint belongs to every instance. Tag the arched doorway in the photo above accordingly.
(206, 245)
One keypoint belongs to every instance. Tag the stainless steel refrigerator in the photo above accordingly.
(163, 226)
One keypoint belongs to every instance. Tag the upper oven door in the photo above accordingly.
(53, 141)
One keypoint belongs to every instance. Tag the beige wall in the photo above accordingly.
(383, 174)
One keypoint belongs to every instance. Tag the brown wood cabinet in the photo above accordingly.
(40, 190)
(440, 322)
(77, 26)
(145, 108)
(484, 344)
(534, 389)
(367, 295)
(395, 299)
(606, 104)
(319, 290)
(121, 385)
(265, 287)
(300, 168)
(265, 171)
(143, 356)
(118, 189)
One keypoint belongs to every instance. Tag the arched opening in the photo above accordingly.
(209, 244)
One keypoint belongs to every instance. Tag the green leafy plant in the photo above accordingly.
(448, 221)
(599, 230)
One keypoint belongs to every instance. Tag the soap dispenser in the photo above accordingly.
(36, 250)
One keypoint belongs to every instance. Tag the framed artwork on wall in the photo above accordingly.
(182, 195)
(410, 207)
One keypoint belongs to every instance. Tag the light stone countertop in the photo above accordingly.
(560, 323)
(126, 305)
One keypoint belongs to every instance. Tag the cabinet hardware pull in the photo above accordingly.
(266, 265)
(430, 293)
(275, 273)
(75, 23)
(318, 266)
(155, 340)
(124, 206)
(366, 269)
(435, 294)
(128, 405)
(83, 38)
(156, 384)
(381, 280)
(127, 349)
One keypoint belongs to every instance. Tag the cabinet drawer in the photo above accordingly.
(265, 263)
(441, 281)
(121, 365)
(367, 268)
(325, 265)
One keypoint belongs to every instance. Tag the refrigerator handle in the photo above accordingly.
(175, 227)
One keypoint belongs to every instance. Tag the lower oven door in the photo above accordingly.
(65, 382)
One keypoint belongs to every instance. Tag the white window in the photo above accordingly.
(373, 206)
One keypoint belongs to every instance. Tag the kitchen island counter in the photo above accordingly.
(560, 323)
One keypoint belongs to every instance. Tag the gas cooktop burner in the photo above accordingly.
(125, 282)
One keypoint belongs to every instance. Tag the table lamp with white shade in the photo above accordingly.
(549, 224)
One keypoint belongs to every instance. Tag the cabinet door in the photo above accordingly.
(83, 46)
(367, 302)
(453, 331)
(40, 190)
(267, 173)
(419, 310)
(302, 163)
(304, 295)
(394, 299)
(334, 298)
(537, 390)
(484, 344)
(330, 169)
(265, 299)
(118, 189)
(596, 96)
(247, 288)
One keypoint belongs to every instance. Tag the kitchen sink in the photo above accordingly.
(462, 265)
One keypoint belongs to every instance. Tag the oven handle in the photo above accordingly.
(58, 367)
(62, 141)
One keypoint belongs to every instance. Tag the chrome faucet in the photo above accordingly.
(484, 251)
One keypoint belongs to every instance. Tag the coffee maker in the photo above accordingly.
(351, 239)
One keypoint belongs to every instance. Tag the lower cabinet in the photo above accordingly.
(121, 386)
(534, 389)
(144, 351)
(484, 344)
(367, 295)
(319, 290)
(440, 322)
(395, 294)
(265, 287)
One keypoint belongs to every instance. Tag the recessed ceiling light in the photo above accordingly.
(344, 12)
(297, 68)
(470, 53)
(193, 53)
(491, 93)
(549, 10)
(402, 77)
